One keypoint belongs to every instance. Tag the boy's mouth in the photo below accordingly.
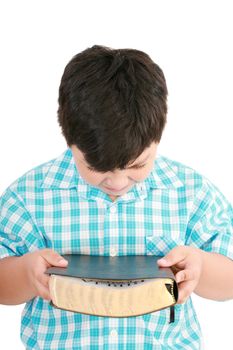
(114, 189)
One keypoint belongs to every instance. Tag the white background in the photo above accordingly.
(192, 43)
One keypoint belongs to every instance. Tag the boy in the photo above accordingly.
(110, 193)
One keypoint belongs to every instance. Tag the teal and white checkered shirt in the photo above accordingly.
(51, 206)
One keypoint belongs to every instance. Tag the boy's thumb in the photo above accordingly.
(53, 258)
(62, 261)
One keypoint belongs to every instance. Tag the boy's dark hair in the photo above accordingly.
(112, 105)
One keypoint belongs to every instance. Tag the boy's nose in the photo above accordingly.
(117, 182)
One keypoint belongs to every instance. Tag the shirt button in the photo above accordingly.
(113, 252)
(113, 210)
(114, 333)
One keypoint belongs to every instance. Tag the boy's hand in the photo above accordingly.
(36, 264)
(186, 263)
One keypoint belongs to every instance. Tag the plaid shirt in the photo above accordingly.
(51, 206)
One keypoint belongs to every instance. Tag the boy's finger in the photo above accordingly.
(185, 290)
(185, 275)
(43, 279)
(43, 292)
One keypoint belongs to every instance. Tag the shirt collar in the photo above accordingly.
(63, 174)
(164, 175)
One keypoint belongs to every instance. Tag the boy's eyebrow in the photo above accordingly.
(140, 161)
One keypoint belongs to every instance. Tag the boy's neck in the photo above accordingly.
(113, 198)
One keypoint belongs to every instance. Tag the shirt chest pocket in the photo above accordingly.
(161, 245)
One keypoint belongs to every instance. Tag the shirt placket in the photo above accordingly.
(111, 230)
(111, 248)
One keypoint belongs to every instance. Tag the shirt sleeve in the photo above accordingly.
(18, 233)
(210, 227)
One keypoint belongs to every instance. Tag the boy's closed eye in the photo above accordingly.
(137, 166)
